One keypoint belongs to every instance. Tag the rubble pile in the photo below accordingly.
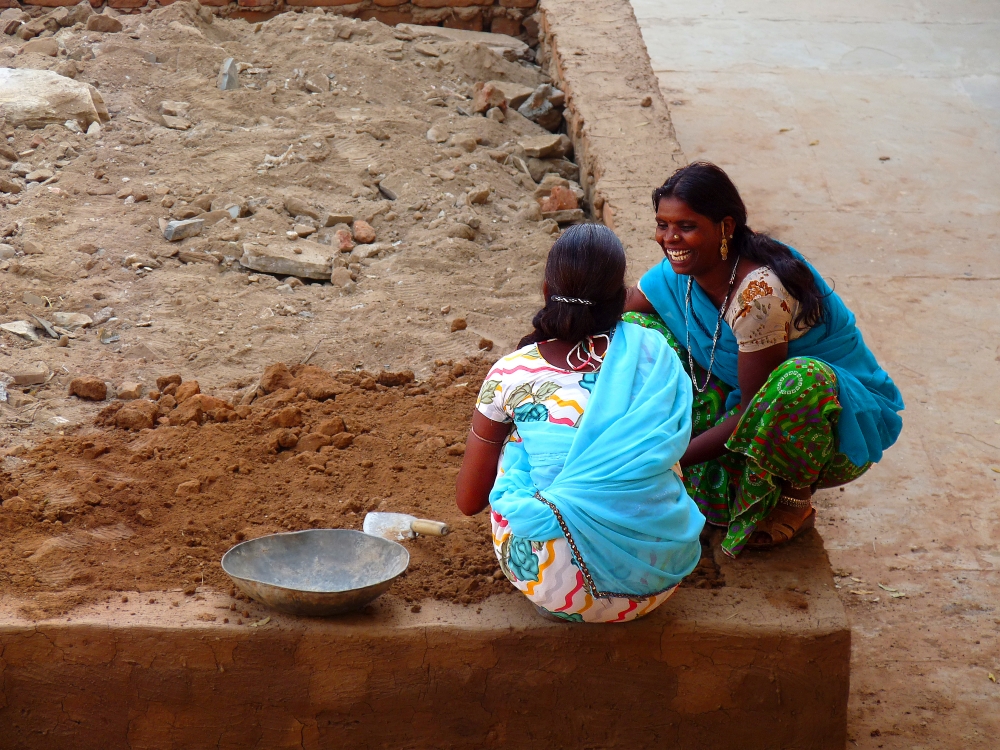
(195, 188)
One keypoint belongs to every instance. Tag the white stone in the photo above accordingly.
(103, 315)
(229, 75)
(36, 98)
(21, 328)
(438, 134)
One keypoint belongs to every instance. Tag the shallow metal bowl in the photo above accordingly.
(316, 572)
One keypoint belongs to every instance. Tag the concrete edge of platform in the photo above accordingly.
(616, 114)
(762, 662)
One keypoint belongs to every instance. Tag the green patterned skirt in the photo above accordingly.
(788, 433)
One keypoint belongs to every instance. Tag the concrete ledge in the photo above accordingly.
(594, 51)
(760, 663)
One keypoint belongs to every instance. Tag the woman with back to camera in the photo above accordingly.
(787, 398)
(586, 420)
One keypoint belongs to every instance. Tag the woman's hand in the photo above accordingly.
(754, 368)
(479, 467)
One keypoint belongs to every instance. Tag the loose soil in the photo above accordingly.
(111, 510)
(147, 496)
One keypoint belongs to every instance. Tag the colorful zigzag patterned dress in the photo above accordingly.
(524, 387)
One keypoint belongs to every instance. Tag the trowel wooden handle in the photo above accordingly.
(429, 528)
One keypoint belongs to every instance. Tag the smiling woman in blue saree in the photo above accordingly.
(572, 444)
(788, 398)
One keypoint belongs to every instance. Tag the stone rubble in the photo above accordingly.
(34, 374)
(179, 230)
(104, 23)
(229, 75)
(373, 205)
(302, 258)
(36, 98)
(544, 106)
(88, 388)
(22, 328)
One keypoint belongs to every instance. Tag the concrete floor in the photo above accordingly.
(802, 102)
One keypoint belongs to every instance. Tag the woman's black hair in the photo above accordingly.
(586, 263)
(707, 190)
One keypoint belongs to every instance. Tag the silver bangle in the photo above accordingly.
(491, 442)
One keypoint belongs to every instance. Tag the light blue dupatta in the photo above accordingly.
(607, 485)
(869, 421)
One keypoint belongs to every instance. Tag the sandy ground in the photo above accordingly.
(865, 134)
(438, 258)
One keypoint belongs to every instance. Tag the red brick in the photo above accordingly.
(318, 3)
(257, 3)
(388, 17)
(518, 3)
(450, 4)
(211, 3)
(96, 3)
(9, 4)
(504, 25)
(126, 3)
(390, 3)
(48, 3)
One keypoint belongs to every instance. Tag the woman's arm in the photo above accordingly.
(635, 301)
(479, 467)
(754, 368)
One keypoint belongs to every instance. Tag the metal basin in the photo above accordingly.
(317, 572)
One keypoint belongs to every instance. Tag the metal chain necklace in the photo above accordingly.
(715, 337)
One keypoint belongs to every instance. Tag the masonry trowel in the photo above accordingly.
(396, 526)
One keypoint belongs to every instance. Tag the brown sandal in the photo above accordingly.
(782, 527)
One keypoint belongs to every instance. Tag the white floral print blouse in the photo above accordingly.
(523, 387)
(762, 312)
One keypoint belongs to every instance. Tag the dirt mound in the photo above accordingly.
(341, 132)
(152, 499)
(154, 509)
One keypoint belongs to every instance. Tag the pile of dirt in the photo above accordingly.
(112, 510)
(153, 497)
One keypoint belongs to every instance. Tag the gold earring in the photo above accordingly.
(724, 250)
